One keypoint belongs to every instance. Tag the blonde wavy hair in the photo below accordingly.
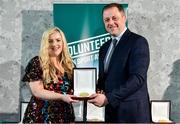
(49, 71)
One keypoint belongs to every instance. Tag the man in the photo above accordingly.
(123, 69)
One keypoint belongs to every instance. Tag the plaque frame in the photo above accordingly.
(22, 110)
(160, 110)
(81, 75)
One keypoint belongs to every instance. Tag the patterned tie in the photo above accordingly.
(109, 54)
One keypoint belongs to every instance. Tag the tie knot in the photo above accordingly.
(114, 41)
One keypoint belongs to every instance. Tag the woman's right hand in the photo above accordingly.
(68, 99)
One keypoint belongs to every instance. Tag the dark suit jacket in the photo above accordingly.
(125, 83)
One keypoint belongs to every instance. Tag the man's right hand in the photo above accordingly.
(98, 100)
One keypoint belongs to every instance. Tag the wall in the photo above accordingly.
(22, 23)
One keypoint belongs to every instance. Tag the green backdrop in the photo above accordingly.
(84, 29)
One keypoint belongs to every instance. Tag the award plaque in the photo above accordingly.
(95, 114)
(160, 111)
(23, 109)
(84, 82)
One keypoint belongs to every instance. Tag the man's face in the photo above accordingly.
(114, 21)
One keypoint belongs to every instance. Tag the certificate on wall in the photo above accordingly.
(84, 82)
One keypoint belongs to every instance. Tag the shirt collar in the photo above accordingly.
(120, 35)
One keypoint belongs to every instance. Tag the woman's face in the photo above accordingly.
(55, 44)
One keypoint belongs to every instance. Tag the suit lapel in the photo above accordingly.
(123, 40)
(106, 47)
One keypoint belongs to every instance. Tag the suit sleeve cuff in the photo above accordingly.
(112, 100)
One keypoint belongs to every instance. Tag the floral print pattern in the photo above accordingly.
(47, 111)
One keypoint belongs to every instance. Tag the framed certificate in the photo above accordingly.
(160, 111)
(95, 114)
(84, 82)
(23, 109)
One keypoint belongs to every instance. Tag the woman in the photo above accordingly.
(50, 80)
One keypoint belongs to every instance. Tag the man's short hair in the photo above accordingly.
(119, 6)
